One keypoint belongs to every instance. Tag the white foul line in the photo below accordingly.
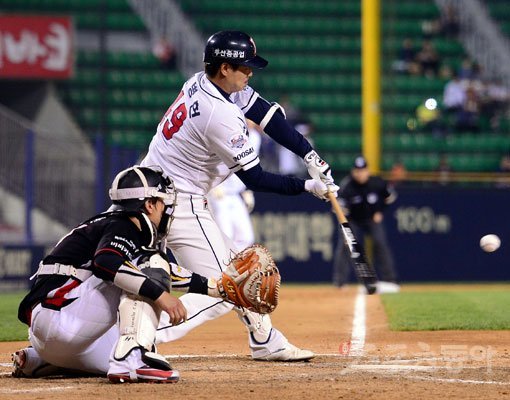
(218, 356)
(456, 380)
(38, 389)
(358, 325)
(392, 367)
(403, 370)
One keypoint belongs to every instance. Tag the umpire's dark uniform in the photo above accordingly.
(364, 198)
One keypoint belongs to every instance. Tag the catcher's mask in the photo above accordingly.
(133, 186)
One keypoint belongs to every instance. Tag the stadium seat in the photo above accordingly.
(412, 142)
(284, 25)
(284, 7)
(129, 138)
(474, 162)
(410, 10)
(338, 142)
(314, 53)
(421, 162)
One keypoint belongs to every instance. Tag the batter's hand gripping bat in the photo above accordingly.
(364, 271)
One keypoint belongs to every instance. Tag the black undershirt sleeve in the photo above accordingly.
(279, 128)
(262, 181)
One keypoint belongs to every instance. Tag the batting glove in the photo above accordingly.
(318, 168)
(320, 189)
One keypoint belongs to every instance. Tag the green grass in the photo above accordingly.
(448, 310)
(11, 328)
(420, 309)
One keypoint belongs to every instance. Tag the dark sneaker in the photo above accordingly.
(19, 358)
(36, 368)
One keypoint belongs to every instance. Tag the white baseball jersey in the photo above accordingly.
(202, 139)
(230, 210)
(199, 143)
(233, 185)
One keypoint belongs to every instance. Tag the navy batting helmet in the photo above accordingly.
(233, 47)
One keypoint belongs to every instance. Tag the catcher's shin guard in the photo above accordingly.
(139, 319)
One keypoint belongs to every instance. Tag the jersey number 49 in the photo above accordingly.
(178, 114)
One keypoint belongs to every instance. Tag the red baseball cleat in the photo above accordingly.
(146, 374)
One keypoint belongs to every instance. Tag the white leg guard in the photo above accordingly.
(139, 318)
(268, 343)
(138, 321)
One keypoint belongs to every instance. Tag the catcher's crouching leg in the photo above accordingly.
(27, 363)
(138, 321)
(268, 343)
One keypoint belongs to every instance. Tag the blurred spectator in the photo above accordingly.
(398, 173)
(468, 116)
(429, 118)
(165, 53)
(444, 170)
(406, 61)
(428, 59)
(454, 95)
(504, 164)
(469, 70)
(476, 71)
(445, 72)
(430, 28)
(504, 168)
(495, 104)
(449, 22)
(447, 25)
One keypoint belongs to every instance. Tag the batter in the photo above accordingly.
(200, 142)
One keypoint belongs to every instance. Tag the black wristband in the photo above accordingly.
(198, 284)
(150, 289)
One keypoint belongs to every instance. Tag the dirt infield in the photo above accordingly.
(214, 363)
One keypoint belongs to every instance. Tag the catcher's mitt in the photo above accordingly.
(251, 280)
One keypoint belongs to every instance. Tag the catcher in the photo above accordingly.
(98, 296)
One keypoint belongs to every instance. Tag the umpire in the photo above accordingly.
(364, 198)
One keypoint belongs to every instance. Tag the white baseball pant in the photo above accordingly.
(199, 245)
(82, 334)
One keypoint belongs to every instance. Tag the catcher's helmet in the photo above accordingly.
(233, 47)
(133, 186)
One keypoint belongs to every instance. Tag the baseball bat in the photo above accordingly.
(364, 271)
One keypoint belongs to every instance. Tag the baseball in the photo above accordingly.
(490, 243)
